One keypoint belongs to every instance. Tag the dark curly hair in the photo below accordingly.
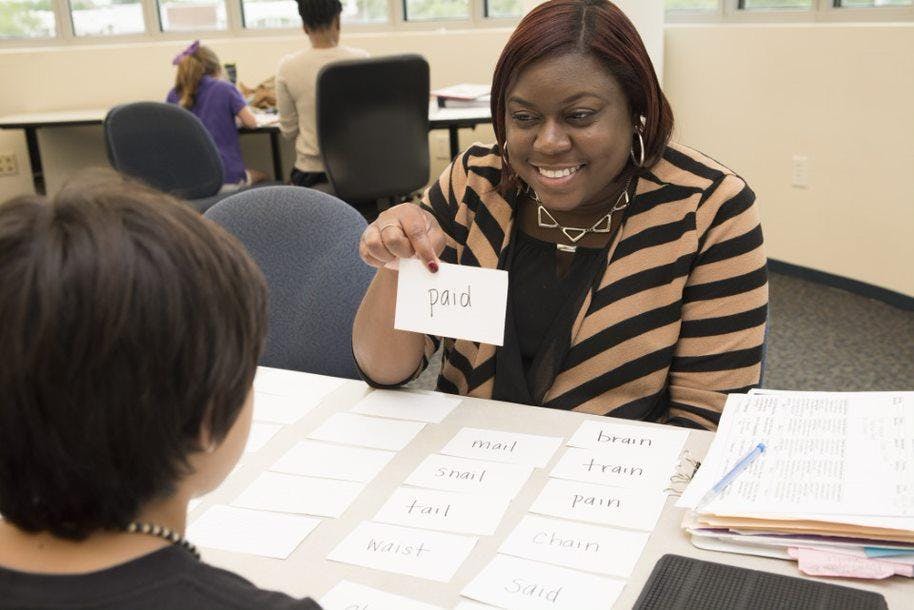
(127, 322)
(319, 14)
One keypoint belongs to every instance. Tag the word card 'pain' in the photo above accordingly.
(459, 302)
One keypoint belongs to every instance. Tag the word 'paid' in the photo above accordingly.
(448, 298)
(519, 586)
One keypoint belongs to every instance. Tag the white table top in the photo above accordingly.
(307, 573)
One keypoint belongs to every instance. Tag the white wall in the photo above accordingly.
(753, 96)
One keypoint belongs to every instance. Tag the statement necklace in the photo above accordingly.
(135, 527)
(545, 220)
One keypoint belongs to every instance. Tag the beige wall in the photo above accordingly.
(752, 96)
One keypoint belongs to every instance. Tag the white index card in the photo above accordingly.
(282, 382)
(402, 550)
(323, 460)
(458, 301)
(353, 429)
(287, 493)
(250, 531)
(498, 446)
(282, 409)
(618, 468)
(634, 508)
(444, 510)
(346, 595)
(575, 545)
(260, 435)
(466, 604)
(660, 440)
(431, 407)
(469, 476)
(509, 582)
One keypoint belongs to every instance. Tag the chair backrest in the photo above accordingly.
(306, 243)
(166, 147)
(372, 126)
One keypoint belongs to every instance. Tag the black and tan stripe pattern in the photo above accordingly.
(678, 319)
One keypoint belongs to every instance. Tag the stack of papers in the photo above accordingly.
(834, 489)
(464, 95)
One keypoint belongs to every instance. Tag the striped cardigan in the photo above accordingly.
(678, 320)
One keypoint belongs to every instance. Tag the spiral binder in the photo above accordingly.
(685, 470)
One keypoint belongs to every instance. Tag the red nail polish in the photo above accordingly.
(433, 266)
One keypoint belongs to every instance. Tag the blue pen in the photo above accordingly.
(728, 478)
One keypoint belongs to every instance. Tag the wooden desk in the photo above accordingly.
(307, 572)
(451, 119)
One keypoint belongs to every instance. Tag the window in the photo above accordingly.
(871, 3)
(106, 17)
(269, 14)
(504, 9)
(192, 15)
(365, 11)
(27, 19)
(428, 10)
(775, 4)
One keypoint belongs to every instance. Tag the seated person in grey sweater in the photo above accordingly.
(130, 329)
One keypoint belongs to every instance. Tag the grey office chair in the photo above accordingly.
(166, 147)
(306, 243)
(372, 128)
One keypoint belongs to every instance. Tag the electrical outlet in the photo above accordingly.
(441, 146)
(8, 164)
(799, 176)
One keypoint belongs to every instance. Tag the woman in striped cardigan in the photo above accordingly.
(638, 285)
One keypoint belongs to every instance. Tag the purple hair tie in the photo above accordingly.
(190, 50)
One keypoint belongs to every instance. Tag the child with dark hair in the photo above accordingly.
(296, 84)
(217, 103)
(130, 329)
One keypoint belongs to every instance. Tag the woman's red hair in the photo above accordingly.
(592, 27)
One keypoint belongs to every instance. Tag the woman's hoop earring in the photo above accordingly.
(504, 154)
(638, 159)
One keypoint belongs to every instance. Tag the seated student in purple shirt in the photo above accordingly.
(216, 103)
(130, 329)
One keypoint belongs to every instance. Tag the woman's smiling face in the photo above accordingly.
(569, 130)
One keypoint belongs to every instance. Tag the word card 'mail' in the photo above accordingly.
(458, 301)
(249, 531)
(421, 553)
(444, 510)
(469, 476)
(352, 596)
(575, 545)
(509, 582)
(633, 508)
(498, 446)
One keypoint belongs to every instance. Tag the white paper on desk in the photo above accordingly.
(498, 446)
(273, 408)
(834, 454)
(619, 468)
(607, 434)
(288, 493)
(260, 435)
(633, 508)
(346, 595)
(324, 460)
(431, 407)
(464, 475)
(466, 604)
(403, 550)
(575, 545)
(282, 382)
(458, 301)
(509, 582)
(353, 429)
(447, 511)
(250, 531)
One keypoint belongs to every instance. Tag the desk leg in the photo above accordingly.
(31, 140)
(455, 143)
(277, 156)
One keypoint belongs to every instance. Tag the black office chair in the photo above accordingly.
(372, 128)
(168, 148)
